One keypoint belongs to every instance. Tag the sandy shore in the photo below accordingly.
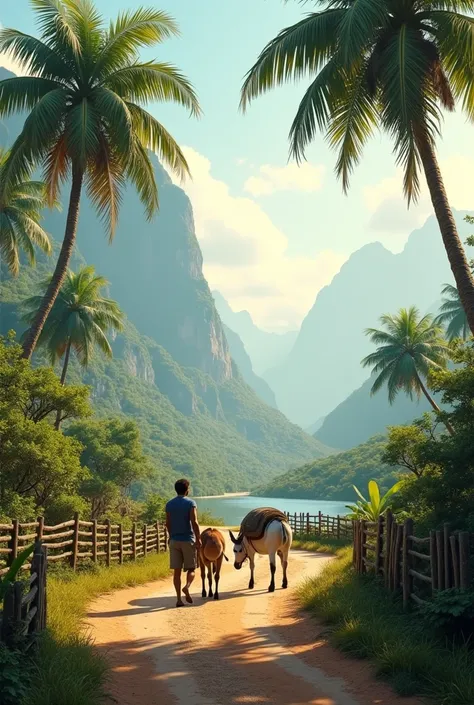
(227, 495)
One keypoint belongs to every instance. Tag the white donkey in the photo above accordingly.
(275, 541)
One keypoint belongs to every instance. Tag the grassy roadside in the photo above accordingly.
(324, 545)
(366, 622)
(67, 669)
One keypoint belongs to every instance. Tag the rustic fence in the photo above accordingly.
(321, 525)
(418, 566)
(77, 540)
(24, 605)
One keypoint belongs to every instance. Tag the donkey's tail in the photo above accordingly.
(226, 558)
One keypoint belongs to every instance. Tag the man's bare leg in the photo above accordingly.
(189, 580)
(177, 586)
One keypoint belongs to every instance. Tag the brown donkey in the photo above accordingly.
(211, 554)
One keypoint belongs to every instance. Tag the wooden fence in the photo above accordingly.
(419, 566)
(24, 605)
(321, 525)
(76, 540)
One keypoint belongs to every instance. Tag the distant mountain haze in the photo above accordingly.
(323, 368)
(266, 350)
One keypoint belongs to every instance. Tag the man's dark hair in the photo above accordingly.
(181, 486)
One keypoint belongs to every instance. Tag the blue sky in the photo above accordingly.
(272, 235)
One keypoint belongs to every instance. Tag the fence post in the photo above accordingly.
(75, 542)
(145, 539)
(407, 578)
(120, 531)
(40, 529)
(388, 544)
(338, 526)
(134, 541)
(440, 561)
(7, 624)
(13, 543)
(307, 523)
(464, 560)
(354, 544)
(165, 531)
(455, 561)
(158, 548)
(94, 540)
(108, 546)
(433, 562)
(320, 522)
(396, 561)
(447, 562)
(378, 542)
(363, 550)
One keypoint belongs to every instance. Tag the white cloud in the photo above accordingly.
(245, 254)
(388, 207)
(306, 178)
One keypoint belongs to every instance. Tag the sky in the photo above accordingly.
(272, 233)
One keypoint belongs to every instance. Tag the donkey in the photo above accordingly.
(211, 555)
(275, 541)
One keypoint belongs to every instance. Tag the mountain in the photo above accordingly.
(172, 369)
(244, 363)
(266, 350)
(361, 416)
(332, 478)
(323, 367)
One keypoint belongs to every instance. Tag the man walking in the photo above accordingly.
(185, 538)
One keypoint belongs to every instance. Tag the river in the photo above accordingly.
(233, 509)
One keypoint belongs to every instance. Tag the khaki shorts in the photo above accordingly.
(182, 555)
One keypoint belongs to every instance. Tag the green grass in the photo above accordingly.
(321, 545)
(67, 668)
(366, 622)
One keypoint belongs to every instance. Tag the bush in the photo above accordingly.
(451, 612)
(14, 676)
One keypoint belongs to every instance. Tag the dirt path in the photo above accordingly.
(250, 647)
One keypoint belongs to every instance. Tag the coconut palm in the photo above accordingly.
(452, 315)
(393, 64)
(86, 121)
(20, 217)
(407, 350)
(79, 319)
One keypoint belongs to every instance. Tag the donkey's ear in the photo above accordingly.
(232, 537)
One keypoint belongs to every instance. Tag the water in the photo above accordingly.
(233, 509)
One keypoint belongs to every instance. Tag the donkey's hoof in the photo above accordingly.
(271, 588)
(284, 584)
(216, 596)
(210, 593)
(204, 594)
(251, 585)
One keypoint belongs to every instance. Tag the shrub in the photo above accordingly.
(451, 612)
(14, 676)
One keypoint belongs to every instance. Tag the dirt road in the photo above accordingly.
(250, 647)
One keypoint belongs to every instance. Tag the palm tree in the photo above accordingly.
(20, 217)
(388, 63)
(407, 350)
(79, 319)
(85, 96)
(452, 314)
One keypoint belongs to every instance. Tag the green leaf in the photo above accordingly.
(10, 575)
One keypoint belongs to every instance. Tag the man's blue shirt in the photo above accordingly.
(179, 510)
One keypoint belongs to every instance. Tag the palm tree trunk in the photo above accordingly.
(452, 243)
(434, 405)
(62, 264)
(57, 423)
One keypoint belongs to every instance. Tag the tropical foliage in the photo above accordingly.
(371, 509)
(21, 204)
(442, 489)
(389, 64)
(79, 319)
(14, 569)
(408, 349)
(452, 315)
(86, 121)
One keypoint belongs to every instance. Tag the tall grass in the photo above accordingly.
(67, 669)
(368, 623)
(308, 542)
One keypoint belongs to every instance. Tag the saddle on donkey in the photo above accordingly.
(254, 524)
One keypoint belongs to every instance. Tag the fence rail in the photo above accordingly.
(75, 540)
(24, 605)
(321, 525)
(418, 566)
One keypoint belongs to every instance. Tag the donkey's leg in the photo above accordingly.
(283, 553)
(209, 577)
(217, 575)
(252, 571)
(203, 577)
(272, 557)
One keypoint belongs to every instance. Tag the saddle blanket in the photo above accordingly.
(254, 524)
